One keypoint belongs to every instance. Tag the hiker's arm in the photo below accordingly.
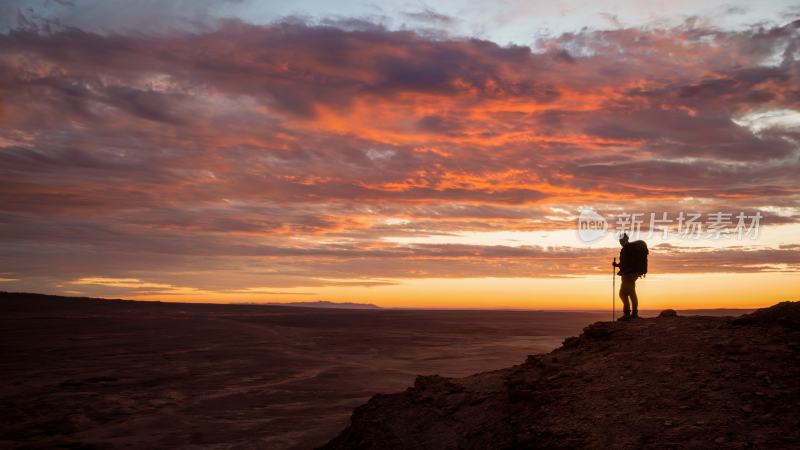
(621, 258)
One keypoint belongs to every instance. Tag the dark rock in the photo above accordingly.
(641, 393)
(786, 314)
(599, 330)
(668, 313)
(571, 342)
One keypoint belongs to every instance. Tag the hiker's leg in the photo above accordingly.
(623, 295)
(632, 295)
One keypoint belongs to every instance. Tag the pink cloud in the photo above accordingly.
(248, 146)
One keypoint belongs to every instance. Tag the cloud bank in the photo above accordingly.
(285, 155)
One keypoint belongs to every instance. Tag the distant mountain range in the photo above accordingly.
(27, 300)
(319, 304)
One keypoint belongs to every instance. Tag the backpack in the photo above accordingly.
(637, 252)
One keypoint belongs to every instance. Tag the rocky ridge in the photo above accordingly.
(667, 382)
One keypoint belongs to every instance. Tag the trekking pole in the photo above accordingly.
(613, 288)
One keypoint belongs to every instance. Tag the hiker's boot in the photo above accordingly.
(635, 315)
(624, 318)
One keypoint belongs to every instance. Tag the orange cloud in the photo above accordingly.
(244, 156)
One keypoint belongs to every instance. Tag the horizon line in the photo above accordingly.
(371, 306)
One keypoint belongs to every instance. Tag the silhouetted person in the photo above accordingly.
(632, 265)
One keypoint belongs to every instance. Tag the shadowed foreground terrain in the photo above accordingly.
(83, 373)
(666, 382)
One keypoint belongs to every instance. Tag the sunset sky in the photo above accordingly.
(406, 154)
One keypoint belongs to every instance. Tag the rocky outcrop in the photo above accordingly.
(667, 382)
(668, 313)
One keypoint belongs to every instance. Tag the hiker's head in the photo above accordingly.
(623, 239)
